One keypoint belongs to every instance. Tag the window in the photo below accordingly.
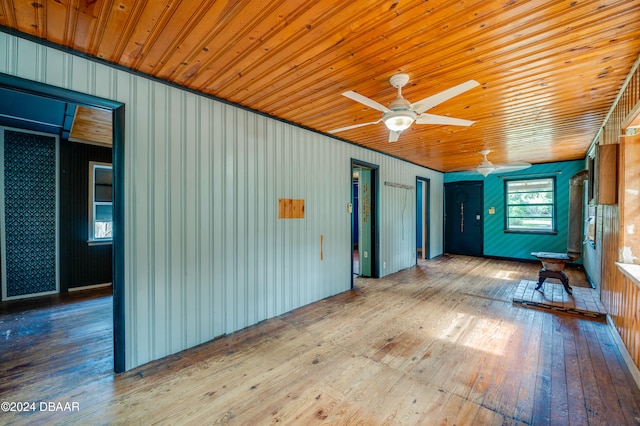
(530, 205)
(100, 202)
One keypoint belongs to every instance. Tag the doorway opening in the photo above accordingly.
(423, 205)
(29, 88)
(364, 220)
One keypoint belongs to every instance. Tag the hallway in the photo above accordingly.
(439, 342)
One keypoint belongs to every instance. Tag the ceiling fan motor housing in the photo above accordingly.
(399, 80)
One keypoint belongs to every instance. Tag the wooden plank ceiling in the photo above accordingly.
(549, 71)
(93, 126)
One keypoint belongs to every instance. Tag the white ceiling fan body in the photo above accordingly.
(401, 114)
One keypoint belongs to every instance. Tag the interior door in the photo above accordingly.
(463, 230)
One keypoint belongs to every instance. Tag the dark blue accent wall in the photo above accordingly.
(516, 245)
(80, 263)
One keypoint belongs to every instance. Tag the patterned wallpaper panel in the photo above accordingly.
(30, 212)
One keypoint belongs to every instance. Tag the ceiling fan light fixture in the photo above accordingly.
(399, 120)
(485, 171)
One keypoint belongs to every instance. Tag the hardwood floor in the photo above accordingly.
(441, 343)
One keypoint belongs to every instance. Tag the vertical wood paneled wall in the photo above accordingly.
(618, 293)
(205, 253)
(626, 317)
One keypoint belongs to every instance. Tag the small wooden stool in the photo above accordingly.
(560, 275)
(553, 267)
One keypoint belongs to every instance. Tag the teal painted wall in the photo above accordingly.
(519, 246)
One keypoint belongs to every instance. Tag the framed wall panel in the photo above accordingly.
(29, 213)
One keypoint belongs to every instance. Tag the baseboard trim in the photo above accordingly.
(89, 287)
(633, 368)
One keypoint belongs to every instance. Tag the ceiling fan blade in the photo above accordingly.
(393, 136)
(441, 119)
(354, 126)
(510, 167)
(438, 98)
(365, 101)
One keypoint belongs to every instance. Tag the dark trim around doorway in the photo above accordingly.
(375, 256)
(426, 221)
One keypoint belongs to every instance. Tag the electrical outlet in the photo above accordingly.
(384, 265)
(365, 254)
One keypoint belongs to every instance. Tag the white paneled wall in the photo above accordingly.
(205, 253)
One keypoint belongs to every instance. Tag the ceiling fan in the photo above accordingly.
(486, 167)
(401, 114)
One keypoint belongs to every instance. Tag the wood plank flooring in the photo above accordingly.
(441, 343)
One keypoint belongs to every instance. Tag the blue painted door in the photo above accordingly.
(463, 230)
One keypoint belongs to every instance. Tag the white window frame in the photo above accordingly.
(93, 165)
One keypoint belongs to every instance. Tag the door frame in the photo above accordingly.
(118, 116)
(426, 220)
(375, 217)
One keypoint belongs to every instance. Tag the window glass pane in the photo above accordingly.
(102, 193)
(531, 211)
(530, 197)
(103, 176)
(104, 221)
(531, 185)
(103, 229)
(534, 224)
(104, 212)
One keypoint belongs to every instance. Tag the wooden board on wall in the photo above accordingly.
(290, 209)
(608, 174)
